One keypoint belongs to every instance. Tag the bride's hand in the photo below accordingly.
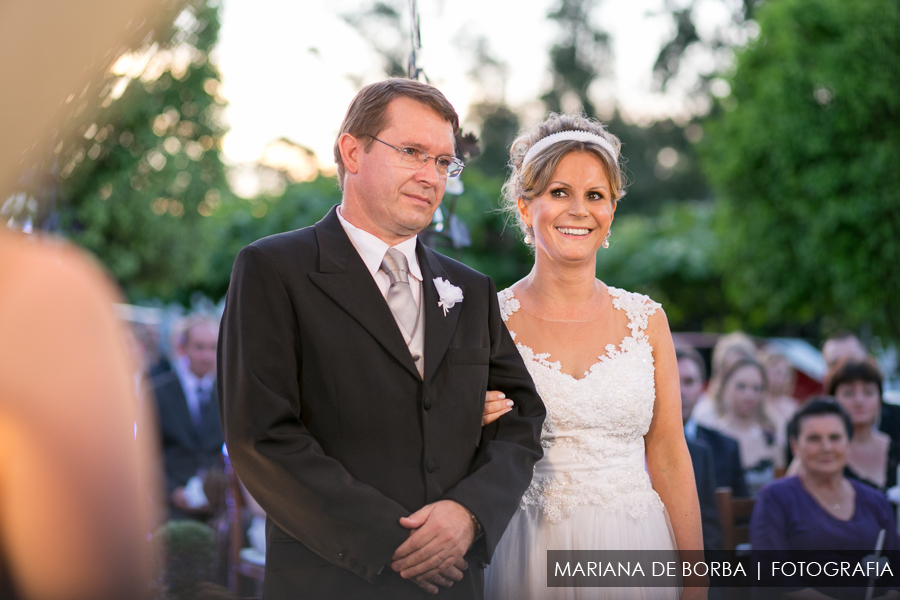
(495, 406)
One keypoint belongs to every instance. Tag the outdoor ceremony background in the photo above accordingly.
(761, 139)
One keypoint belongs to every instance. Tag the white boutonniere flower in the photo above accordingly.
(449, 294)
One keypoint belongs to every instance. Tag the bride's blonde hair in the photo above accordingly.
(532, 179)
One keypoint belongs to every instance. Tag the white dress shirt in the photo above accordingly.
(190, 383)
(372, 250)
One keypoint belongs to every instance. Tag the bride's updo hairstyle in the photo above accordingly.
(531, 178)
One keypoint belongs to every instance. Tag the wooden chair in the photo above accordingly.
(730, 510)
(237, 566)
(780, 472)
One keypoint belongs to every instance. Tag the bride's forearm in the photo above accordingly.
(673, 480)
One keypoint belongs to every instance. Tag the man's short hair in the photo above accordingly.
(840, 335)
(183, 328)
(690, 353)
(367, 113)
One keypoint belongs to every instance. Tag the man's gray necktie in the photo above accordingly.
(399, 296)
(202, 398)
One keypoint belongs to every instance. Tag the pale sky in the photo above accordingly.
(278, 86)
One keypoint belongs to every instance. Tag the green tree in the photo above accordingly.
(139, 187)
(804, 154)
(671, 258)
(577, 57)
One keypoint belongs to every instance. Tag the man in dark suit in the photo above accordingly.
(725, 451)
(704, 476)
(188, 411)
(353, 366)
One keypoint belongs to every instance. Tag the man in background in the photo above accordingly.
(189, 417)
(725, 452)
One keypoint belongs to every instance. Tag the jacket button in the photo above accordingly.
(429, 466)
(427, 404)
(342, 554)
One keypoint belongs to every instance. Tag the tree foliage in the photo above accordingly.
(671, 258)
(805, 155)
(140, 186)
(576, 59)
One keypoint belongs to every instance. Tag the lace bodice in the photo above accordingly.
(593, 434)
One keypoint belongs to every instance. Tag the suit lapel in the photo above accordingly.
(439, 328)
(343, 276)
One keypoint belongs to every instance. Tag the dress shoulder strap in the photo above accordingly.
(638, 307)
(508, 303)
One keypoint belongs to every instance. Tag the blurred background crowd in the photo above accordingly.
(763, 212)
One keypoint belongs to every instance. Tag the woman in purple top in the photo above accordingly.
(821, 510)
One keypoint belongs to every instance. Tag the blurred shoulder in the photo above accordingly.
(42, 271)
(781, 490)
(870, 496)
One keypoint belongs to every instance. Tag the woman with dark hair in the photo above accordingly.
(820, 508)
(741, 415)
(873, 457)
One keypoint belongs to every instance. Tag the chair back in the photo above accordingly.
(734, 517)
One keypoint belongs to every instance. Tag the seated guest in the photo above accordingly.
(739, 401)
(873, 457)
(189, 417)
(728, 350)
(820, 508)
(779, 403)
(725, 451)
(842, 345)
(704, 477)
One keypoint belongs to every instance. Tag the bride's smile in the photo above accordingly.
(572, 217)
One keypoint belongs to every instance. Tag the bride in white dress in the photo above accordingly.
(616, 473)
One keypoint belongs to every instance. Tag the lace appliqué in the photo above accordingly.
(558, 497)
(596, 421)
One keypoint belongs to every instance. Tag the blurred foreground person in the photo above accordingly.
(77, 485)
(873, 457)
(189, 423)
(821, 509)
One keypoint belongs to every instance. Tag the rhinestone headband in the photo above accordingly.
(562, 136)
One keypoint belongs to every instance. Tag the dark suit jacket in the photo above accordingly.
(727, 460)
(336, 435)
(185, 449)
(704, 475)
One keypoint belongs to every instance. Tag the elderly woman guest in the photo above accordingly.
(873, 456)
(739, 403)
(821, 509)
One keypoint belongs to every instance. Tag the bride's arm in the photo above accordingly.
(668, 460)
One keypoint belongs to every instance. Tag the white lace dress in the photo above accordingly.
(591, 490)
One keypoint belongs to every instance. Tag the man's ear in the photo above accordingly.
(350, 148)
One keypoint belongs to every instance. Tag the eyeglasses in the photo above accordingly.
(447, 166)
